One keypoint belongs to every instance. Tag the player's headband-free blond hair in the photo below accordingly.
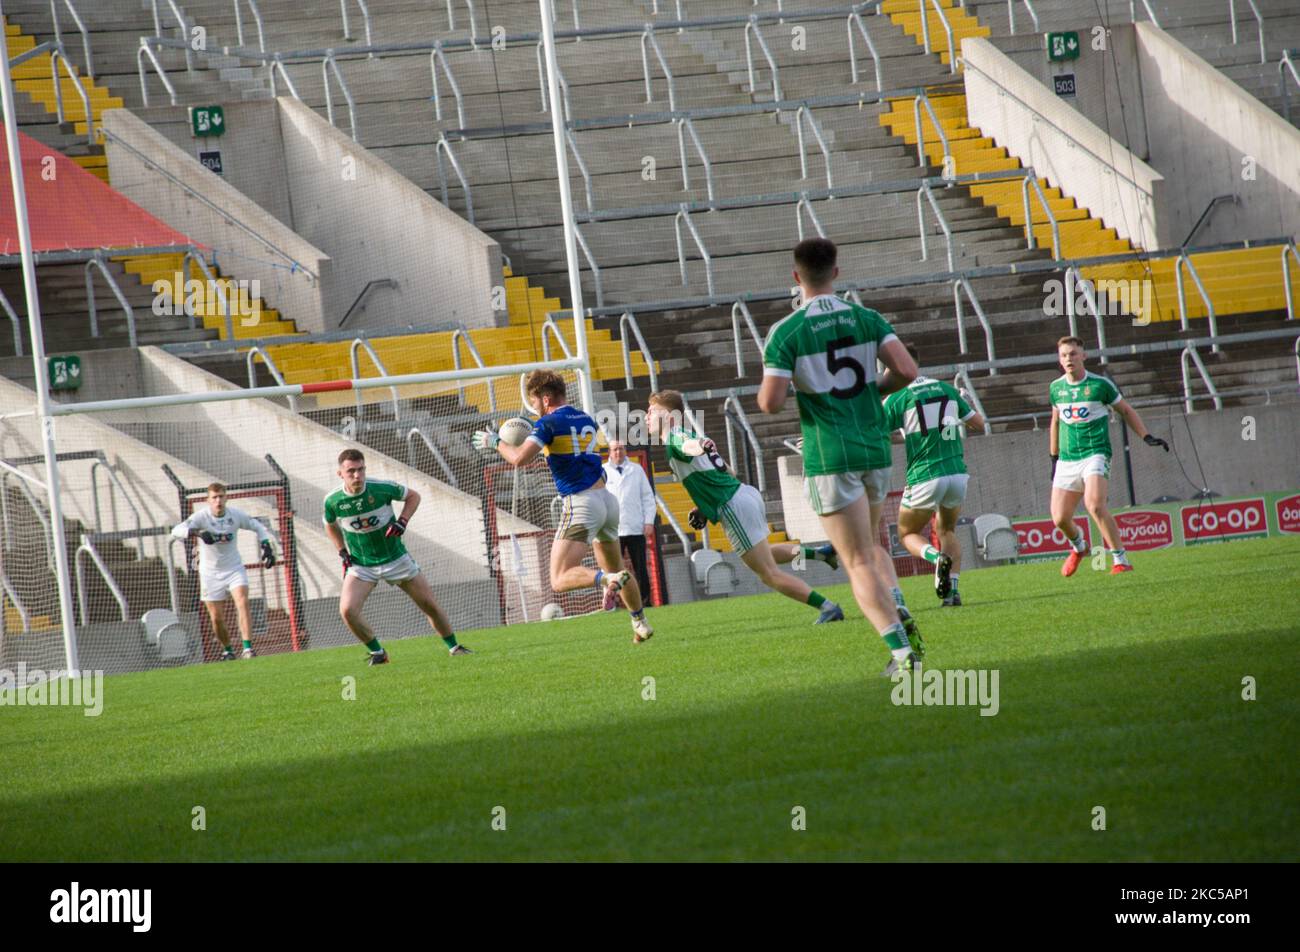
(669, 400)
(218, 488)
(1069, 340)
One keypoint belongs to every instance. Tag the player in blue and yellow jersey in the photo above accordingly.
(570, 440)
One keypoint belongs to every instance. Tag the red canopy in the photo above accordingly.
(71, 210)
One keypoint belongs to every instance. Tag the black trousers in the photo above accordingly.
(633, 547)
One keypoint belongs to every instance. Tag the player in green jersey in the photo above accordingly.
(1080, 442)
(721, 498)
(828, 348)
(359, 519)
(929, 414)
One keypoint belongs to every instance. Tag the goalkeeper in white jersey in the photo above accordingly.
(221, 569)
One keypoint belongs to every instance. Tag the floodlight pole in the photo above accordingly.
(42, 377)
(558, 120)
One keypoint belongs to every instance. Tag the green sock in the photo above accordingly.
(816, 599)
(931, 554)
(449, 641)
(374, 645)
(896, 640)
(247, 643)
(898, 596)
(809, 553)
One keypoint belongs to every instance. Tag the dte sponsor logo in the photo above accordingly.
(75, 905)
(1225, 520)
(1145, 529)
(1042, 537)
(1288, 514)
(361, 525)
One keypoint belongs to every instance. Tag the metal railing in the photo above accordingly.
(802, 113)
(461, 333)
(81, 28)
(751, 26)
(182, 31)
(439, 56)
(648, 42)
(685, 125)
(947, 29)
(13, 319)
(117, 293)
(277, 63)
(960, 286)
(1205, 216)
(1191, 353)
(1011, 15)
(328, 64)
(444, 146)
(370, 287)
(1031, 180)
(272, 369)
(855, 19)
(682, 537)
(731, 408)
(473, 21)
(802, 206)
(1186, 261)
(88, 548)
(101, 460)
(572, 143)
(361, 343)
(541, 84)
(627, 320)
(966, 386)
(921, 158)
(257, 18)
(1287, 64)
(591, 264)
(59, 55)
(23, 614)
(738, 310)
(31, 500)
(684, 215)
(365, 18)
(928, 194)
(1289, 252)
(1132, 11)
(1259, 20)
(415, 431)
(219, 289)
(550, 327)
(1072, 279)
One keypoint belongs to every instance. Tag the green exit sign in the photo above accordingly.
(1062, 46)
(207, 120)
(65, 372)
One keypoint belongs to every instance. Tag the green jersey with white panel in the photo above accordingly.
(1083, 409)
(828, 348)
(707, 480)
(928, 411)
(364, 517)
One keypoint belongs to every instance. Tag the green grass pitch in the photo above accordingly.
(1120, 692)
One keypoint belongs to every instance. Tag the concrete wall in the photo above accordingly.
(1202, 127)
(1046, 132)
(224, 221)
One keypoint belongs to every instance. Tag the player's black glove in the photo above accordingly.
(696, 520)
(268, 555)
(347, 560)
(1054, 459)
(395, 528)
(1150, 440)
(207, 537)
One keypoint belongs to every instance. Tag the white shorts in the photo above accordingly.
(1070, 476)
(589, 516)
(216, 586)
(743, 518)
(398, 570)
(944, 492)
(827, 494)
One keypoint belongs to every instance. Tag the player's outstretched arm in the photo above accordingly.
(409, 505)
(1130, 415)
(974, 423)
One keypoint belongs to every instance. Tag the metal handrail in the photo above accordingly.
(925, 191)
(682, 213)
(947, 29)
(424, 438)
(1259, 19)
(1190, 351)
(442, 146)
(23, 614)
(18, 325)
(35, 505)
(1200, 287)
(648, 37)
(272, 66)
(921, 159)
(81, 28)
(87, 548)
(801, 206)
(438, 55)
(803, 112)
(855, 18)
(473, 21)
(733, 402)
(623, 322)
(591, 264)
(1073, 278)
(370, 286)
(365, 17)
(117, 292)
(1285, 64)
(1032, 179)
(362, 343)
(752, 25)
(1207, 213)
(60, 55)
(461, 333)
(139, 534)
(257, 17)
(217, 286)
(1132, 12)
(182, 29)
(328, 64)
(682, 537)
(972, 398)
(582, 169)
(272, 369)
(549, 326)
(685, 125)
(1289, 249)
(738, 310)
(958, 286)
(1011, 15)
(541, 82)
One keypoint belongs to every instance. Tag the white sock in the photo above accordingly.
(1078, 544)
(898, 596)
(1120, 556)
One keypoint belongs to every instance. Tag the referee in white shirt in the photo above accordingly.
(636, 512)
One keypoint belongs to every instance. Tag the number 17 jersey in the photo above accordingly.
(828, 348)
